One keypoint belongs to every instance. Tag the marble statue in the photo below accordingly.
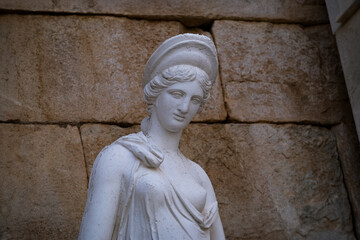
(141, 186)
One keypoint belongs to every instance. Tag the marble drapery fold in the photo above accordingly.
(150, 204)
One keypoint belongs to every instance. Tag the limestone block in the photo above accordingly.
(277, 73)
(97, 136)
(349, 153)
(191, 12)
(81, 69)
(322, 37)
(65, 69)
(42, 182)
(273, 181)
(331, 69)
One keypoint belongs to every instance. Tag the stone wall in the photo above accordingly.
(276, 138)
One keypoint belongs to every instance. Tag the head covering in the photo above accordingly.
(184, 49)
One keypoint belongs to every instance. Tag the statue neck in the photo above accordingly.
(162, 138)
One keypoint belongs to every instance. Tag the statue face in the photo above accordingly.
(176, 106)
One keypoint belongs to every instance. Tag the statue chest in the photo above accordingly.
(160, 185)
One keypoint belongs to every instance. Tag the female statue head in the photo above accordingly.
(183, 58)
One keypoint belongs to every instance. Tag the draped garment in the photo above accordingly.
(150, 204)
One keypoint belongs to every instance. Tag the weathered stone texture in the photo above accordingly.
(349, 152)
(323, 39)
(190, 11)
(42, 182)
(272, 182)
(80, 69)
(277, 73)
(96, 136)
(331, 69)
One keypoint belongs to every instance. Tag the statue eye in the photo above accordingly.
(177, 94)
(197, 100)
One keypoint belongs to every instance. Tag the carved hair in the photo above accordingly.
(170, 76)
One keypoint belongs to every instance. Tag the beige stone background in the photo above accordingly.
(277, 138)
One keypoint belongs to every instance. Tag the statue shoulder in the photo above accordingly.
(115, 152)
(113, 160)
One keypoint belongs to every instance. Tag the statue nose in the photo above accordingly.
(184, 106)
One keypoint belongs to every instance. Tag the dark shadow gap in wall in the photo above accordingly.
(83, 150)
(128, 125)
(188, 21)
(65, 124)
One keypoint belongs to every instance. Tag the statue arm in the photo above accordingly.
(216, 229)
(103, 195)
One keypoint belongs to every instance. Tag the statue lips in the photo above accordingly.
(179, 117)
